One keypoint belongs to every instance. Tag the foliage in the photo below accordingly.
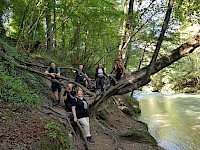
(89, 32)
(19, 87)
(61, 140)
(17, 92)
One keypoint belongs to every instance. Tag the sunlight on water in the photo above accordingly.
(173, 120)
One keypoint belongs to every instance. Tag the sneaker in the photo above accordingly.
(90, 140)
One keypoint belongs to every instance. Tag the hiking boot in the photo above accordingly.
(90, 140)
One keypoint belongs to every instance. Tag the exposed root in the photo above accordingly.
(65, 120)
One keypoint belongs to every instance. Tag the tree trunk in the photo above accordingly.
(49, 27)
(139, 78)
(63, 41)
(2, 30)
(161, 37)
(127, 30)
(55, 27)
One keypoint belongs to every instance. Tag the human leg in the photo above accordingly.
(97, 83)
(85, 124)
(113, 79)
(56, 88)
(102, 83)
(56, 95)
(118, 76)
(86, 128)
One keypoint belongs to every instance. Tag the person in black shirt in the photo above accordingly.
(80, 77)
(81, 113)
(68, 96)
(119, 69)
(54, 73)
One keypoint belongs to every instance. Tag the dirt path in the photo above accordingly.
(116, 131)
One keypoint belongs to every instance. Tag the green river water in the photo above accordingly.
(173, 120)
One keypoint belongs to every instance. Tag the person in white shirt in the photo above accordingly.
(100, 77)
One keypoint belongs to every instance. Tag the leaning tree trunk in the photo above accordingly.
(139, 78)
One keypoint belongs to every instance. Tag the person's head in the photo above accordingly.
(79, 92)
(81, 66)
(117, 61)
(70, 86)
(52, 64)
(100, 65)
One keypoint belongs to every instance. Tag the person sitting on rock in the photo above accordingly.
(80, 77)
(119, 69)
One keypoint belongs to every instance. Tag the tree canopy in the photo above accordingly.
(93, 31)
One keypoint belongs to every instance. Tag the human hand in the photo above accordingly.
(52, 74)
(75, 119)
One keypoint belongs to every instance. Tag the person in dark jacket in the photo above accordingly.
(80, 112)
(80, 77)
(100, 77)
(68, 96)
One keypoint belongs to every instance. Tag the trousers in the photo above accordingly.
(86, 126)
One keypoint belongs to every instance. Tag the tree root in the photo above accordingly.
(50, 111)
(108, 131)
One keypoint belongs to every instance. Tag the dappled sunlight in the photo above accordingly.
(183, 96)
(173, 119)
(196, 127)
(192, 112)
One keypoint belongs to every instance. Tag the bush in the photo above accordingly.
(60, 139)
(15, 91)
(17, 86)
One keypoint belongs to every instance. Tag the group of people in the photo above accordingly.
(74, 97)
(100, 74)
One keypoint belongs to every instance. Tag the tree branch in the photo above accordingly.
(137, 79)
(161, 37)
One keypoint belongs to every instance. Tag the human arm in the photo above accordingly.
(74, 113)
(65, 96)
(96, 73)
(49, 74)
(57, 74)
(104, 72)
(123, 70)
(115, 68)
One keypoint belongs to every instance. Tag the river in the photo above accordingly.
(173, 120)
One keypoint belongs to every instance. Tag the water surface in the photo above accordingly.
(173, 120)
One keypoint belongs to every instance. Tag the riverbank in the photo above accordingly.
(122, 130)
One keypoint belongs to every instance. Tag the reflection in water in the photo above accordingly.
(173, 120)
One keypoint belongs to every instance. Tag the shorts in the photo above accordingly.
(55, 86)
(68, 107)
